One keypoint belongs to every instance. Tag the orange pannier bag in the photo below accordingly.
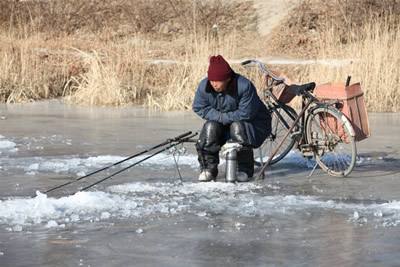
(352, 106)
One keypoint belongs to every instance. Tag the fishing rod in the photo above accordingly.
(175, 143)
(168, 141)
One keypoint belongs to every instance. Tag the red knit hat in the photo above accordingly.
(219, 69)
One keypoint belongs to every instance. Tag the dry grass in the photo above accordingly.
(108, 60)
(100, 85)
(112, 73)
(300, 33)
(123, 17)
(97, 52)
(26, 74)
(116, 76)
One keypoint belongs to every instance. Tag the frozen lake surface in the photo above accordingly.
(147, 217)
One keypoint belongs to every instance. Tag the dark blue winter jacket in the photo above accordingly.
(239, 102)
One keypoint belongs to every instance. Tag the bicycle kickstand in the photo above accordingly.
(313, 170)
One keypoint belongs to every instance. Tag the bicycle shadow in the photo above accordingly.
(284, 169)
(375, 164)
(386, 166)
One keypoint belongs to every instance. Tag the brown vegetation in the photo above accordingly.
(367, 33)
(123, 17)
(300, 33)
(102, 52)
(99, 52)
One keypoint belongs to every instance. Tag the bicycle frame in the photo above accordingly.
(316, 136)
(305, 103)
(301, 116)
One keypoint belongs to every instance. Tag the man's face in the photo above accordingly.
(220, 86)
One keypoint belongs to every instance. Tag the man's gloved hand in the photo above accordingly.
(224, 119)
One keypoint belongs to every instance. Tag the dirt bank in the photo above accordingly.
(271, 13)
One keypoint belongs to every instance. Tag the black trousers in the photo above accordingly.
(213, 136)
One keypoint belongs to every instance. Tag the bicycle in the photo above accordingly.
(320, 130)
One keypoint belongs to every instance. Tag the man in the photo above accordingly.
(233, 111)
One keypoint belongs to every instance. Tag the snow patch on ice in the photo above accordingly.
(51, 224)
(6, 144)
(17, 228)
(141, 200)
(105, 215)
(79, 166)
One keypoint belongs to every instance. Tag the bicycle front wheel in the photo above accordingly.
(282, 118)
(331, 138)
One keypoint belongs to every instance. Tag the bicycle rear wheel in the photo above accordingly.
(331, 137)
(281, 120)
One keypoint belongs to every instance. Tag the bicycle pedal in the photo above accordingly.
(307, 154)
(303, 147)
(306, 150)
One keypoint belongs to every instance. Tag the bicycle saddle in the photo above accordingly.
(300, 89)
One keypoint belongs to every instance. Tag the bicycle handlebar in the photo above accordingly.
(300, 90)
(245, 62)
(263, 69)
